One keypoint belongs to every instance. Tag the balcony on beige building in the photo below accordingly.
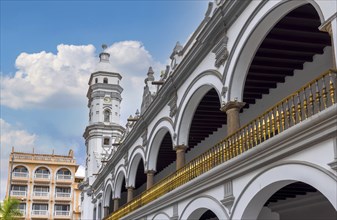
(62, 196)
(20, 194)
(40, 213)
(62, 214)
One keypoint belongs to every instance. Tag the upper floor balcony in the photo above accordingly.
(316, 97)
(64, 178)
(62, 196)
(42, 174)
(62, 214)
(40, 195)
(23, 175)
(40, 213)
(64, 175)
(19, 194)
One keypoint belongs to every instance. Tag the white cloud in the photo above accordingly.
(11, 136)
(47, 80)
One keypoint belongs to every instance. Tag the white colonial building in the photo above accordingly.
(241, 125)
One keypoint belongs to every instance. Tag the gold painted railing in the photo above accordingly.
(314, 97)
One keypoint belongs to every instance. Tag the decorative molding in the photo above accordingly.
(126, 160)
(229, 198)
(221, 51)
(144, 138)
(232, 105)
(172, 103)
(333, 164)
(175, 215)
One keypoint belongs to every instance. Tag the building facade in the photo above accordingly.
(241, 125)
(45, 185)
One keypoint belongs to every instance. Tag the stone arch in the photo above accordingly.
(161, 216)
(157, 134)
(43, 166)
(203, 83)
(252, 35)
(196, 207)
(136, 155)
(107, 194)
(120, 175)
(266, 183)
(22, 165)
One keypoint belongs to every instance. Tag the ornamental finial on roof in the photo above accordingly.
(104, 56)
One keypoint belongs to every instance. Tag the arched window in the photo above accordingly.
(42, 172)
(63, 174)
(105, 80)
(107, 116)
(20, 171)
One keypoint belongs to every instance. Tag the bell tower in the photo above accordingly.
(104, 99)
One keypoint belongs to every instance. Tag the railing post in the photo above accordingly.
(130, 193)
(180, 161)
(150, 180)
(232, 109)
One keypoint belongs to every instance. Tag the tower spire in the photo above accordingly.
(104, 56)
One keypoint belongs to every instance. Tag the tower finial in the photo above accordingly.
(104, 56)
(104, 46)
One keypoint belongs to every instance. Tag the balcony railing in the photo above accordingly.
(40, 212)
(314, 97)
(41, 176)
(20, 174)
(62, 213)
(62, 195)
(40, 194)
(23, 211)
(18, 193)
(63, 177)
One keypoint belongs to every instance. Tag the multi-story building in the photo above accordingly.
(45, 185)
(241, 125)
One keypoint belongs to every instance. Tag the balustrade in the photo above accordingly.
(61, 213)
(20, 174)
(314, 97)
(40, 212)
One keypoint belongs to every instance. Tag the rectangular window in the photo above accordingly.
(22, 206)
(63, 189)
(41, 188)
(19, 188)
(106, 141)
(62, 207)
(40, 207)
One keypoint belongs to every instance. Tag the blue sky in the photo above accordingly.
(48, 49)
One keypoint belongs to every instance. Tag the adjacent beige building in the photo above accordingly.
(45, 184)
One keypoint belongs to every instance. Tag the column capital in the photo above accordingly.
(130, 187)
(181, 147)
(232, 105)
(150, 172)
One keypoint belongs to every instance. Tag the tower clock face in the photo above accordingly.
(107, 100)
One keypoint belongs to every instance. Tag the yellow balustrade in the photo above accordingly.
(285, 114)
